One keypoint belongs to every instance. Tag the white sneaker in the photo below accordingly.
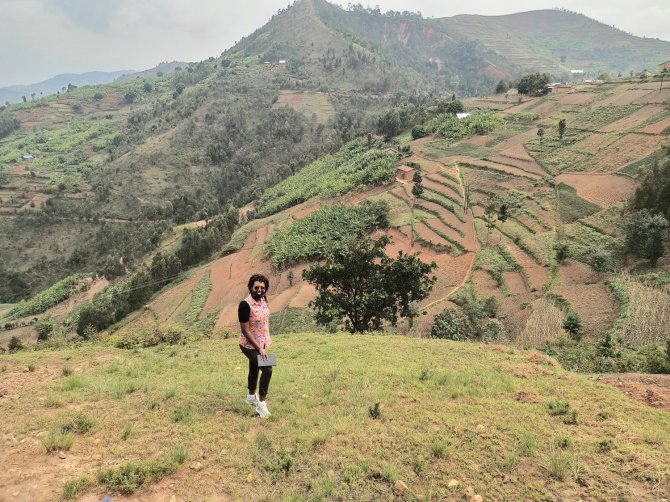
(262, 409)
(252, 399)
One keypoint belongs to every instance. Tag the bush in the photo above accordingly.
(494, 332)
(148, 334)
(450, 325)
(573, 325)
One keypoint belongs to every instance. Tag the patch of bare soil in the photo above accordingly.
(625, 97)
(485, 164)
(601, 189)
(659, 127)
(595, 143)
(537, 274)
(595, 305)
(653, 390)
(290, 97)
(655, 96)
(515, 282)
(485, 285)
(574, 272)
(633, 120)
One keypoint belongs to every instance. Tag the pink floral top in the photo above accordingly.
(259, 323)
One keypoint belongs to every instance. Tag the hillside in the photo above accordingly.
(16, 93)
(556, 41)
(114, 166)
(454, 420)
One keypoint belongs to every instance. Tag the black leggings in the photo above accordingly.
(266, 372)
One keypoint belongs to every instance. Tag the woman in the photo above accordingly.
(254, 316)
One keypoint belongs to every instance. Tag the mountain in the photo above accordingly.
(556, 41)
(115, 166)
(15, 93)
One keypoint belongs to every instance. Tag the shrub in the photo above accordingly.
(494, 332)
(76, 487)
(573, 325)
(451, 325)
(557, 407)
(127, 478)
(57, 440)
(149, 334)
(375, 411)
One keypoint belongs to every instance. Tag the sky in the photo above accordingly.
(43, 38)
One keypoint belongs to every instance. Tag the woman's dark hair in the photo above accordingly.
(258, 278)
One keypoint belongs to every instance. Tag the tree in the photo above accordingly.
(533, 84)
(646, 234)
(503, 215)
(364, 286)
(15, 344)
(489, 211)
(417, 178)
(417, 190)
(540, 134)
(573, 325)
(561, 128)
(501, 88)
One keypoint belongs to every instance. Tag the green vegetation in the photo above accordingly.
(496, 261)
(48, 298)
(362, 285)
(131, 476)
(465, 382)
(448, 126)
(356, 166)
(325, 232)
(533, 84)
(571, 206)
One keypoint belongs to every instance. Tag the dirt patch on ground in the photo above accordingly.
(485, 285)
(623, 97)
(657, 128)
(536, 274)
(485, 164)
(290, 97)
(594, 143)
(515, 282)
(628, 149)
(577, 98)
(633, 120)
(574, 272)
(653, 390)
(601, 189)
(595, 305)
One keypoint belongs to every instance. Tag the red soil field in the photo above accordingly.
(537, 274)
(659, 127)
(595, 305)
(633, 120)
(572, 273)
(601, 189)
(433, 185)
(485, 285)
(515, 282)
(426, 233)
(594, 143)
(515, 171)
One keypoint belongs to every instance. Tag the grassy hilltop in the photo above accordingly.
(353, 418)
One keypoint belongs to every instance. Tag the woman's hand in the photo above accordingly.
(262, 352)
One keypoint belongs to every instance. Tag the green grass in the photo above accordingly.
(571, 206)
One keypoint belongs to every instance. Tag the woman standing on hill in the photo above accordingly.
(254, 316)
